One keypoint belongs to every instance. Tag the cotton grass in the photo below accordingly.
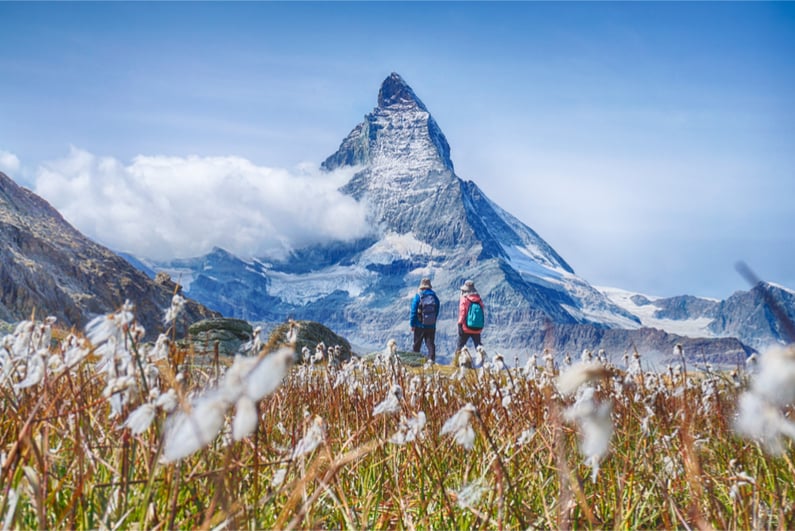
(592, 417)
(760, 414)
(460, 427)
(246, 382)
(253, 442)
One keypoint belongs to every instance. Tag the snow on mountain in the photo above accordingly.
(410, 186)
(745, 315)
(592, 308)
(781, 288)
(644, 308)
(302, 289)
(393, 246)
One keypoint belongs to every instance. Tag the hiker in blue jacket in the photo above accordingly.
(424, 311)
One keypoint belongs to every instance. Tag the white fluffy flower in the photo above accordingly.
(596, 427)
(506, 400)
(268, 374)
(391, 403)
(117, 385)
(161, 348)
(167, 401)
(55, 364)
(499, 362)
(759, 414)
(177, 303)
(460, 427)
(409, 429)
(470, 494)
(246, 418)
(105, 327)
(246, 382)
(139, 420)
(775, 380)
(525, 436)
(579, 374)
(315, 434)
(11, 506)
(187, 432)
(597, 431)
(34, 373)
(672, 468)
(278, 476)
(760, 420)
(76, 350)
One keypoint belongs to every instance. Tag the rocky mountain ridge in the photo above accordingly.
(745, 315)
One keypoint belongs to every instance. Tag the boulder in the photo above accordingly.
(309, 334)
(228, 334)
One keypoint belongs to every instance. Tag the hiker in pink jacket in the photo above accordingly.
(470, 315)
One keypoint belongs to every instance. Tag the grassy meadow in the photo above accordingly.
(101, 431)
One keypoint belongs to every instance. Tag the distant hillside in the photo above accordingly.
(745, 315)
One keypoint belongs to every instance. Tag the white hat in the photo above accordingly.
(425, 283)
(469, 287)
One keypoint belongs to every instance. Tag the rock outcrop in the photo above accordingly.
(227, 335)
(310, 334)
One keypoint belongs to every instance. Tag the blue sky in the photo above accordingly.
(651, 144)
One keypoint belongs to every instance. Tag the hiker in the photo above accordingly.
(470, 315)
(424, 311)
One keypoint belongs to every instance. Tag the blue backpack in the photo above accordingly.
(475, 316)
(428, 309)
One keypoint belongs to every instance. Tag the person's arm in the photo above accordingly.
(415, 304)
(462, 310)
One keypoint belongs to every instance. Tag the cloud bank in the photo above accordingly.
(9, 163)
(163, 207)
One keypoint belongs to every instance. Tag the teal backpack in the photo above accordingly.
(475, 316)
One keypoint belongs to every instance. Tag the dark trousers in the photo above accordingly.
(429, 336)
(463, 337)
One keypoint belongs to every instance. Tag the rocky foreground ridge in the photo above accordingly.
(48, 268)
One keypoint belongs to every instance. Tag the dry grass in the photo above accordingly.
(674, 461)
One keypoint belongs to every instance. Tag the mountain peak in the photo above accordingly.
(394, 90)
(400, 134)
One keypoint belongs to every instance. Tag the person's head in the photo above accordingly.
(468, 287)
(425, 283)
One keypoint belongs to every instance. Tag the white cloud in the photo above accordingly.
(167, 207)
(9, 163)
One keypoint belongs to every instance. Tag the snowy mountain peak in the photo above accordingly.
(408, 181)
(396, 91)
(397, 141)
